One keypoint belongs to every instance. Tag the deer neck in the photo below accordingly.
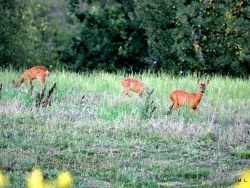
(198, 97)
(20, 81)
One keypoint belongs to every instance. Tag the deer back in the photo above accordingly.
(133, 85)
(35, 72)
(182, 97)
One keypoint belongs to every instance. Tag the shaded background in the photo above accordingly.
(133, 36)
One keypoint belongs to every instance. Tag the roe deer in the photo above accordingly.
(37, 72)
(133, 85)
(191, 100)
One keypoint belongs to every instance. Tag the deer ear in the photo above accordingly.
(199, 82)
(207, 82)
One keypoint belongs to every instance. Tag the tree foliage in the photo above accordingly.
(198, 36)
(110, 39)
(201, 36)
(27, 35)
(12, 32)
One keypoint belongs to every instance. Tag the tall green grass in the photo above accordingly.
(104, 140)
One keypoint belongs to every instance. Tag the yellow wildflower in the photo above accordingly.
(64, 180)
(4, 182)
(35, 179)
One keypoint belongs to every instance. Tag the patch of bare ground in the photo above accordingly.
(94, 183)
(172, 184)
(13, 107)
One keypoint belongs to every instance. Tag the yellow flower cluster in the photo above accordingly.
(64, 180)
(36, 180)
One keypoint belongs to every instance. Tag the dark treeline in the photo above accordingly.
(201, 36)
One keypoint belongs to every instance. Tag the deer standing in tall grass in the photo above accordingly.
(37, 72)
(191, 100)
(133, 85)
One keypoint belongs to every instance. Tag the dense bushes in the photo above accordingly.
(187, 36)
(110, 39)
(171, 36)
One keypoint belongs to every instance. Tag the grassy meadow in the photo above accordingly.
(104, 140)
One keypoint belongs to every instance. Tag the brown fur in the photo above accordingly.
(133, 85)
(37, 72)
(183, 98)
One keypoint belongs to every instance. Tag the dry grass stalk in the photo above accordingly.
(82, 100)
(148, 107)
(152, 106)
(43, 101)
(1, 87)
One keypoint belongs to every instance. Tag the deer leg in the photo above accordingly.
(14, 84)
(42, 81)
(125, 92)
(176, 106)
(195, 111)
(140, 94)
(144, 91)
(170, 109)
(18, 83)
(31, 85)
